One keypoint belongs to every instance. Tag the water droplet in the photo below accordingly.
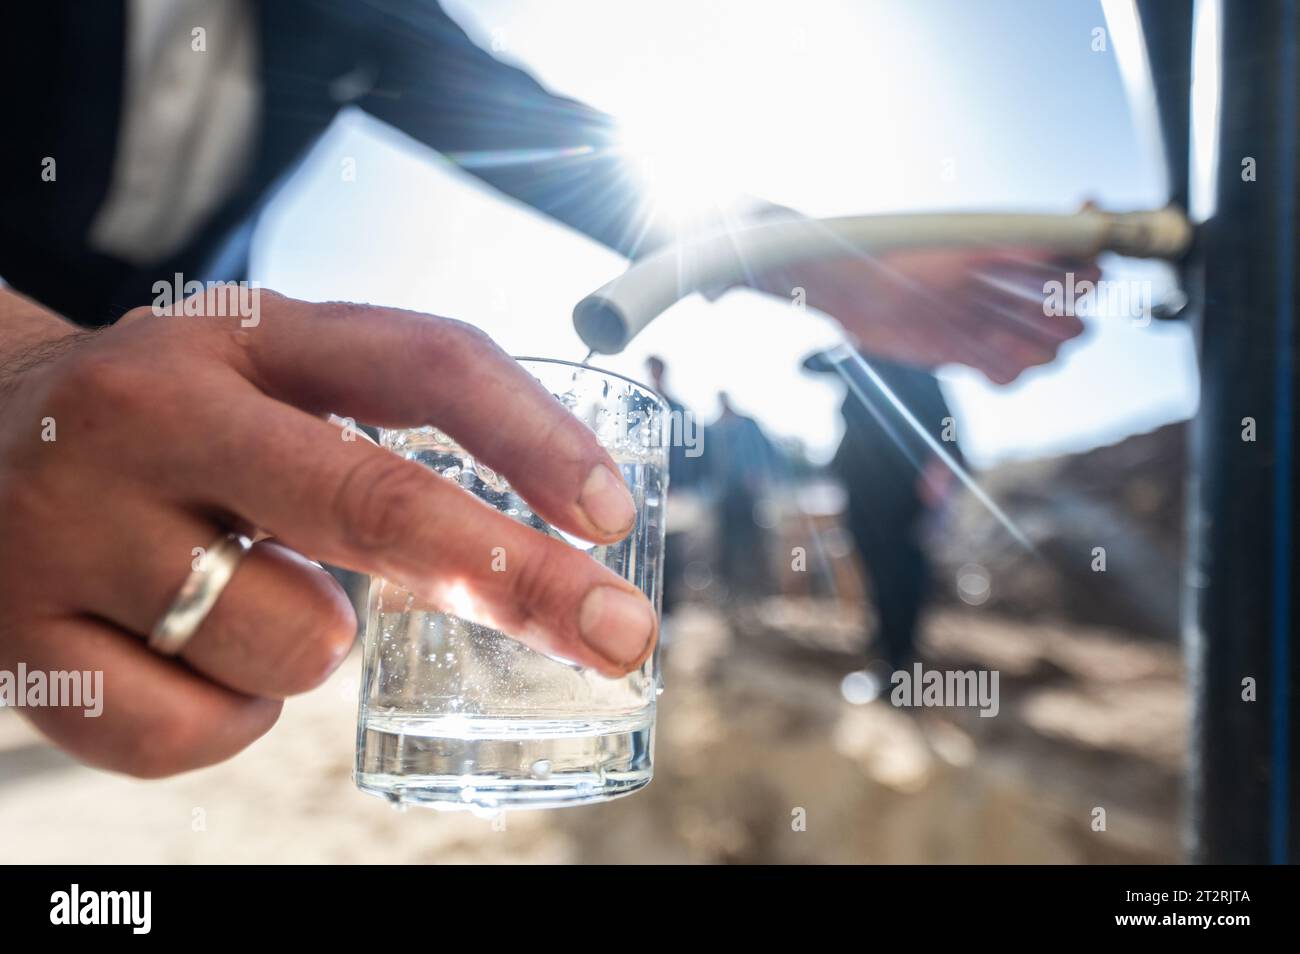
(541, 768)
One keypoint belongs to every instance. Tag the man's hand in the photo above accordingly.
(124, 450)
(927, 308)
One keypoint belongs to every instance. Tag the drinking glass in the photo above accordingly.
(459, 715)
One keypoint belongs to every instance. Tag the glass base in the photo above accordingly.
(489, 765)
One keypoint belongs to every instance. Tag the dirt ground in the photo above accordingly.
(759, 758)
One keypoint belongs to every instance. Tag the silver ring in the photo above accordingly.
(198, 594)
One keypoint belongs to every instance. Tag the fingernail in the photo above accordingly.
(616, 624)
(606, 501)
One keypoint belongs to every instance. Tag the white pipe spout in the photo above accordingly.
(611, 316)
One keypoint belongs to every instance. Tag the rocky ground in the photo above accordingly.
(754, 736)
(1123, 502)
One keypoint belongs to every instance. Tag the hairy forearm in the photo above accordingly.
(26, 324)
(30, 334)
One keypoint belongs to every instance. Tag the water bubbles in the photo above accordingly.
(490, 477)
(541, 769)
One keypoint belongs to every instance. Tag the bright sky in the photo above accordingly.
(832, 108)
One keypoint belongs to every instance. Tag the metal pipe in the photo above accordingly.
(1242, 630)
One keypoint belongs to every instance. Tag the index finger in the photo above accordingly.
(396, 368)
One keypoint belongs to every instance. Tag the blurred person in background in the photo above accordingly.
(743, 464)
(894, 480)
(143, 139)
(684, 473)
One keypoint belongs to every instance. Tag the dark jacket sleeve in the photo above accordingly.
(498, 123)
(931, 410)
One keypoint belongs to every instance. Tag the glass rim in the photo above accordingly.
(587, 367)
